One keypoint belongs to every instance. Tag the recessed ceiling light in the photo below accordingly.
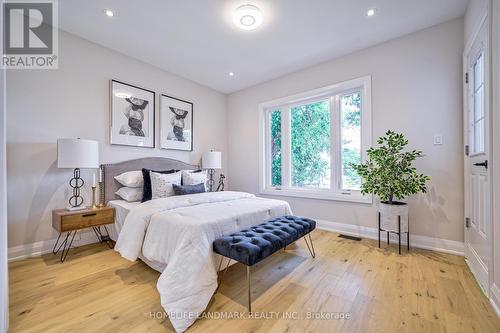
(247, 17)
(109, 13)
(371, 12)
(231, 74)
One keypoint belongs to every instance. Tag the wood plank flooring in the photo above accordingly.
(96, 290)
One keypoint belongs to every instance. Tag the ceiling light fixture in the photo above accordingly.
(371, 12)
(231, 74)
(247, 17)
(109, 13)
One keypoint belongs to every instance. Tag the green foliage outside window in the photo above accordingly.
(276, 148)
(351, 153)
(353, 118)
(310, 144)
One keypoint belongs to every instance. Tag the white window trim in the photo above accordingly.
(364, 85)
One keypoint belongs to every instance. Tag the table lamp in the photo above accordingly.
(211, 160)
(77, 154)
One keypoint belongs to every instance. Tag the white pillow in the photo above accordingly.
(161, 184)
(130, 194)
(131, 179)
(194, 178)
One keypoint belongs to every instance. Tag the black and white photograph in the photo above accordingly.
(176, 123)
(132, 115)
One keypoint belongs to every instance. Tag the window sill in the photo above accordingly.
(355, 197)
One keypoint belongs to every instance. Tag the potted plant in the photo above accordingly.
(388, 173)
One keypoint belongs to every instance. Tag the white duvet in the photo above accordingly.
(179, 231)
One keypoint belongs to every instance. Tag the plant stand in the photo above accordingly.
(398, 233)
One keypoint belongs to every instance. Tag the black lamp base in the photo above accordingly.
(211, 181)
(76, 183)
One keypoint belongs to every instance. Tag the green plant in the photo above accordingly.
(388, 171)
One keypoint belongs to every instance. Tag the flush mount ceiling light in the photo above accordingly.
(109, 13)
(231, 74)
(371, 12)
(247, 17)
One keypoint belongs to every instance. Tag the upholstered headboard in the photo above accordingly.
(155, 163)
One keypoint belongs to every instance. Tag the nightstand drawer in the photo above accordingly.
(86, 220)
(64, 221)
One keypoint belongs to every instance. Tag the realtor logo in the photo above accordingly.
(30, 35)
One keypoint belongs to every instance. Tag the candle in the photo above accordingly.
(100, 175)
(93, 179)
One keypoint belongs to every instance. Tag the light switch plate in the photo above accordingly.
(438, 139)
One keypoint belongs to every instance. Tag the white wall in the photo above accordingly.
(73, 101)
(474, 13)
(416, 89)
(4, 284)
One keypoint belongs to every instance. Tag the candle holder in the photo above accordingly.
(94, 205)
(101, 195)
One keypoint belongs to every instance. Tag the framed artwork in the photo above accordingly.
(176, 123)
(132, 115)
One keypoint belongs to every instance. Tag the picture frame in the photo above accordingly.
(176, 123)
(132, 115)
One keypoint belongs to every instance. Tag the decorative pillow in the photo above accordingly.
(130, 193)
(146, 189)
(131, 179)
(188, 189)
(193, 171)
(194, 178)
(161, 184)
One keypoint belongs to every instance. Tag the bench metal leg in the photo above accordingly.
(249, 295)
(223, 273)
(311, 249)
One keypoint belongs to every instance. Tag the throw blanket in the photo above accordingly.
(180, 231)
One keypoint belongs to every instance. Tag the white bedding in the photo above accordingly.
(122, 208)
(180, 230)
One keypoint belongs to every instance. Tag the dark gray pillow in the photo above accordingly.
(188, 189)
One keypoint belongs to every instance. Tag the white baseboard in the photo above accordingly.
(42, 247)
(495, 298)
(429, 243)
(423, 242)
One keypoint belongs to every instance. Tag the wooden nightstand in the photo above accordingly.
(70, 222)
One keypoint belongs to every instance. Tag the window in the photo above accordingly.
(309, 141)
(310, 144)
(477, 123)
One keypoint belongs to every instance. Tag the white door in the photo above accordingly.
(477, 173)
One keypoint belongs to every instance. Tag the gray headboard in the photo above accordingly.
(155, 163)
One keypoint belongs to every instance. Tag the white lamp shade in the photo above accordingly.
(77, 153)
(211, 160)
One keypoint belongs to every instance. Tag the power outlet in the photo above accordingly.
(438, 139)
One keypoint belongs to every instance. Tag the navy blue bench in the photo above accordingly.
(252, 245)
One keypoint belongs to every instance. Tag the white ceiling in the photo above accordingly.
(196, 39)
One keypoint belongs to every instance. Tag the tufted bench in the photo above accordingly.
(252, 245)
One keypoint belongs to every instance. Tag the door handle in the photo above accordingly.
(485, 164)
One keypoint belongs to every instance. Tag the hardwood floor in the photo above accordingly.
(96, 290)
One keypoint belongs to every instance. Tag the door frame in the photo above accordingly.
(485, 19)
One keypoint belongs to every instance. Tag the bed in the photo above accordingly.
(174, 235)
